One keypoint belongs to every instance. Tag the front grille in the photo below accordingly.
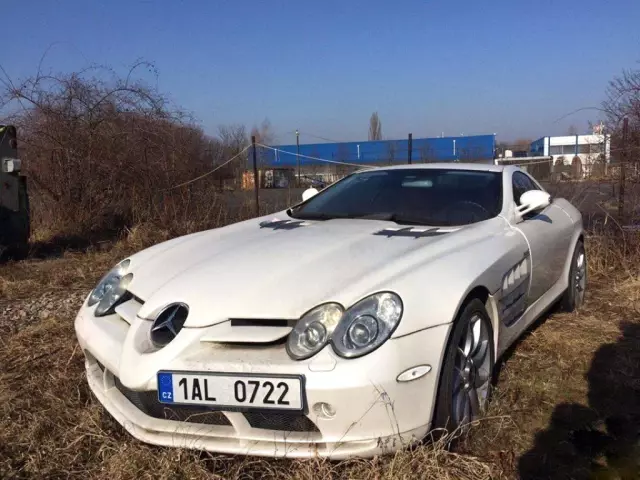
(148, 403)
(284, 421)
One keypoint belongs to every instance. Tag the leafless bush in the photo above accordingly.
(623, 99)
(103, 152)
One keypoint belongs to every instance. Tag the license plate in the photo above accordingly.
(238, 390)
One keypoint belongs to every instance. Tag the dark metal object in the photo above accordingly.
(298, 156)
(625, 138)
(256, 182)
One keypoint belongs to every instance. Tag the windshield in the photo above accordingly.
(439, 197)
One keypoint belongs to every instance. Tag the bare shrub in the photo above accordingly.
(623, 99)
(103, 152)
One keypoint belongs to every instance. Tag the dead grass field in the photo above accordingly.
(566, 401)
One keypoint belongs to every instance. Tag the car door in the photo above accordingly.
(548, 233)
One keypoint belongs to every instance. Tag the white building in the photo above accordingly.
(578, 151)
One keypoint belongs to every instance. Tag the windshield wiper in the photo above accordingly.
(398, 218)
(389, 217)
(316, 216)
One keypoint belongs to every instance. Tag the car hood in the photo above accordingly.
(278, 268)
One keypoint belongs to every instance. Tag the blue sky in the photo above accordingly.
(428, 67)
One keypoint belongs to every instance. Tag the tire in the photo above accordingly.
(449, 416)
(573, 297)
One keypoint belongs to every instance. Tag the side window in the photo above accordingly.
(521, 184)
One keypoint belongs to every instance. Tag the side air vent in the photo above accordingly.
(283, 421)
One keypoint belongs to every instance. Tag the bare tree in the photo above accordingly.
(375, 127)
(265, 136)
(572, 130)
(623, 99)
(103, 151)
(233, 137)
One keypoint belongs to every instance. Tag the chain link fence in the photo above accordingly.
(603, 191)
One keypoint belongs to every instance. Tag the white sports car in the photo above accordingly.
(351, 324)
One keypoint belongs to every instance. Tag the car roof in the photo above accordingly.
(480, 167)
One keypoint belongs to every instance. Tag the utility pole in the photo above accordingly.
(298, 154)
(255, 174)
(410, 146)
(625, 140)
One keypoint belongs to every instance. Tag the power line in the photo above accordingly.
(319, 137)
(316, 158)
(211, 171)
(293, 132)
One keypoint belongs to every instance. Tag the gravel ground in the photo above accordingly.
(19, 314)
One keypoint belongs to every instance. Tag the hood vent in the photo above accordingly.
(414, 232)
(276, 224)
(249, 331)
(254, 322)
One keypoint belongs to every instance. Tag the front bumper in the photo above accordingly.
(374, 413)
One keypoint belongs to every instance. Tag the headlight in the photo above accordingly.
(313, 331)
(356, 332)
(110, 289)
(367, 325)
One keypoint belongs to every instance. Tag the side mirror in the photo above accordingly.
(531, 201)
(308, 193)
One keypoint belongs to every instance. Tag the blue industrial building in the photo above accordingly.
(473, 148)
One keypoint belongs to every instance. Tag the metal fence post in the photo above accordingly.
(298, 155)
(410, 146)
(255, 174)
(625, 134)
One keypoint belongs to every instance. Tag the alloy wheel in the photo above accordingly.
(580, 279)
(472, 371)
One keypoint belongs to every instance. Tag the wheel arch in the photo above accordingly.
(578, 237)
(483, 294)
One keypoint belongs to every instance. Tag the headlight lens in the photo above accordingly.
(367, 325)
(110, 289)
(362, 331)
(313, 331)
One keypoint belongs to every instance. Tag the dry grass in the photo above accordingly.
(571, 373)
(50, 427)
